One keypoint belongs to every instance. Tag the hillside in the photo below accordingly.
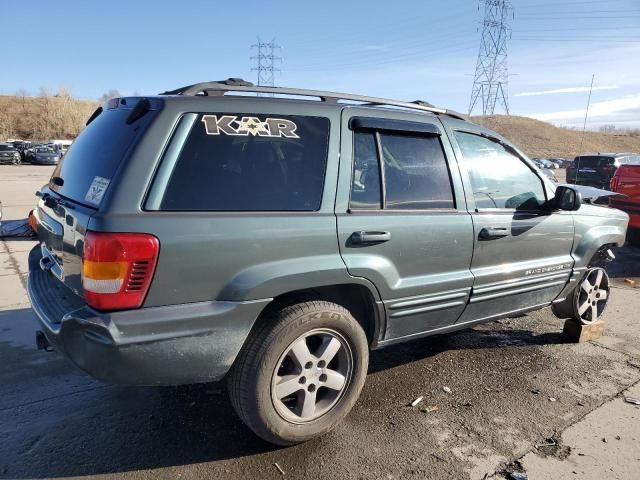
(43, 118)
(540, 139)
(61, 116)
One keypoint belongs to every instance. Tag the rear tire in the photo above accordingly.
(300, 373)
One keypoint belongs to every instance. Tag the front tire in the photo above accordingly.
(300, 373)
(587, 302)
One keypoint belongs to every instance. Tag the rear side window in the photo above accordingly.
(415, 172)
(250, 162)
(91, 162)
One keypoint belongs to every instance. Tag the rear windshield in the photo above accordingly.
(92, 160)
(593, 161)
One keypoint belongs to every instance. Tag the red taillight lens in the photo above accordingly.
(117, 269)
(614, 183)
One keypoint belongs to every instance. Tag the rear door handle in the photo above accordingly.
(489, 233)
(370, 237)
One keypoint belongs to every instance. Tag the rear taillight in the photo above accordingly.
(614, 183)
(117, 269)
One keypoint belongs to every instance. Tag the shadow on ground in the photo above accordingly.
(58, 422)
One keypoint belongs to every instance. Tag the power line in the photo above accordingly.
(266, 60)
(492, 75)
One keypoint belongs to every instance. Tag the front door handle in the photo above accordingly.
(370, 237)
(489, 233)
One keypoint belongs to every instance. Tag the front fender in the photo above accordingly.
(590, 239)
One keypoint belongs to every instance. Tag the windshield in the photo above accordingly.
(6, 148)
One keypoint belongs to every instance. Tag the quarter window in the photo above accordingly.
(415, 172)
(499, 178)
(365, 189)
(250, 162)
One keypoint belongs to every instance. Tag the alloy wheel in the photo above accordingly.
(312, 375)
(592, 296)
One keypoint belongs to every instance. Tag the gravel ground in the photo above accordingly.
(514, 384)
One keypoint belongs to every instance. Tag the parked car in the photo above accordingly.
(44, 156)
(626, 181)
(547, 171)
(9, 154)
(597, 169)
(61, 146)
(192, 236)
(561, 162)
(545, 163)
(550, 174)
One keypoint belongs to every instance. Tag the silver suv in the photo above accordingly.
(199, 235)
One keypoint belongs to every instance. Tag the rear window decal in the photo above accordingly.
(96, 190)
(245, 126)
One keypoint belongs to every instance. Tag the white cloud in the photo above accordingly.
(566, 90)
(624, 110)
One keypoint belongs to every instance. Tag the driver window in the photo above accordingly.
(499, 179)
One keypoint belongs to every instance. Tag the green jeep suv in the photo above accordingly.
(273, 240)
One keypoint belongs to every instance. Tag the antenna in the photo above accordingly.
(584, 128)
(266, 59)
(491, 79)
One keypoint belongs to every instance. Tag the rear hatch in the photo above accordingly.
(592, 170)
(80, 183)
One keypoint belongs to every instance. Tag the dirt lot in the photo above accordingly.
(520, 399)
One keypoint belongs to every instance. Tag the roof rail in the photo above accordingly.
(219, 88)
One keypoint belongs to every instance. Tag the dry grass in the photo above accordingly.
(44, 117)
(61, 116)
(540, 139)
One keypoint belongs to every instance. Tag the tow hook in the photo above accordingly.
(42, 343)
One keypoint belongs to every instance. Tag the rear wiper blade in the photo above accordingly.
(52, 202)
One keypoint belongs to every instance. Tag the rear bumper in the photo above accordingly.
(169, 345)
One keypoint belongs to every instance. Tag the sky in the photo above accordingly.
(407, 49)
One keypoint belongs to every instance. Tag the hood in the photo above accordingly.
(591, 194)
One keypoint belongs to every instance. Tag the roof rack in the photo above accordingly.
(219, 88)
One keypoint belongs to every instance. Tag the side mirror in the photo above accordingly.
(567, 198)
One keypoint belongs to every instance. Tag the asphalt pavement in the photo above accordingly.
(517, 398)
